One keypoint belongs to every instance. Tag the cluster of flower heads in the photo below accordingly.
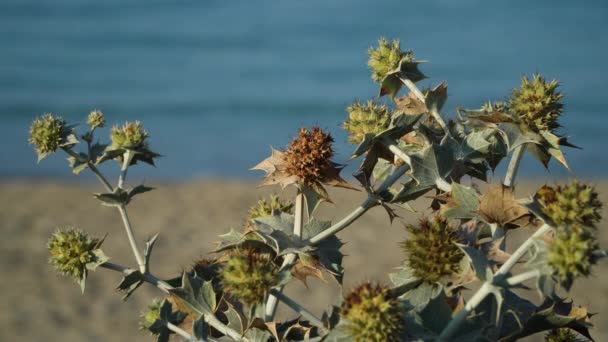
(372, 315)
(574, 210)
(431, 250)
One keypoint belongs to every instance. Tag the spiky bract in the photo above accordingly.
(131, 135)
(371, 315)
(96, 119)
(150, 314)
(386, 57)
(71, 250)
(248, 275)
(366, 118)
(573, 204)
(308, 155)
(537, 103)
(265, 207)
(561, 335)
(47, 133)
(431, 252)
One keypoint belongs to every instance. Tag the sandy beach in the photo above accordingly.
(37, 305)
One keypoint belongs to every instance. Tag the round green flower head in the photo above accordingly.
(248, 275)
(71, 250)
(47, 133)
(267, 208)
(570, 256)
(150, 314)
(386, 57)
(371, 315)
(537, 103)
(561, 335)
(430, 249)
(573, 204)
(96, 119)
(368, 118)
(131, 135)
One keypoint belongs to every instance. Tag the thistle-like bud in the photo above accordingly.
(308, 155)
(131, 135)
(537, 103)
(267, 208)
(368, 118)
(561, 335)
(431, 251)
(248, 275)
(372, 315)
(96, 119)
(150, 314)
(573, 204)
(71, 250)
(47, 133)
(386, 57)
(570, 255)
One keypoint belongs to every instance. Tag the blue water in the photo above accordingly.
(217, 82)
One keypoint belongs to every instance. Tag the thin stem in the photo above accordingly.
(298, 308)
(522, 277)
(299, 215)
(127, 157)
(400, 154)
(181, 332)
(369, 202)
(514, 165)
(129, 230)
(92, 167)
(489, 287)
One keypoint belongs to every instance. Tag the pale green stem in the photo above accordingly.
(295, 306)
(181, 332)
(127, 158)
(272, 302)
(522, 277)
(93, 169)
(165, 287)
(414, 89)
(132, 241)
(514, 165)
(489, 287)
(369, 202)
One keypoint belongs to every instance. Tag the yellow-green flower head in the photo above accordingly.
(572, 204)
(537, 103)
(248, 275)
(71, 250)
(47, 133)
(366, 118)
(267, 208)
(96, 119)
(371, 315)
(150, 314)
(131, 135)
(386, 57)
(570, 255)
(430, 249)
(561, 335)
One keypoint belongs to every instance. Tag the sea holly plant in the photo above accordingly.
(455, 281)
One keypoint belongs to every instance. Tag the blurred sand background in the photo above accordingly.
(37, 305)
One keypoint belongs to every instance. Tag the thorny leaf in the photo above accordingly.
(129, 283)
(200, 329)
(166, 315)
(307, 266)
(195, 294)
(499, 206)
(436, 97)
(410, 105)
(478, 262)
(407, 69)
(463, 203)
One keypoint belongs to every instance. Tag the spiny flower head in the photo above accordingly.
(150, 314)
(131, 135)
(537, 103)
(368, 118)
(431, 251)
(570, 255)
(572, 204)
(561, 335)
(47, 133)
(267, 208)
(96, 119)
(308, 155)
(248, 275)
(386, 57)
(206, 268)
(71, 250)
(372, 315)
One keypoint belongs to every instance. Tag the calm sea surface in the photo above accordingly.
(217, 82)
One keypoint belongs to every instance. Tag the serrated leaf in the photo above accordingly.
(200, 329)
(499, 206)
(478, 262)
(465, 203)
(99, 258)
(258, 335)
(129, 283)
(436, 314)
(140, 189)
(436, 97)
(420, 296)
(116, 199)
(235, 321)
(195, 294)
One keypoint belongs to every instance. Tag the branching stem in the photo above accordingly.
(92, 167)
(414, 89)
(132, 241)
(181, 332)
(299, 309)
(514, 165)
